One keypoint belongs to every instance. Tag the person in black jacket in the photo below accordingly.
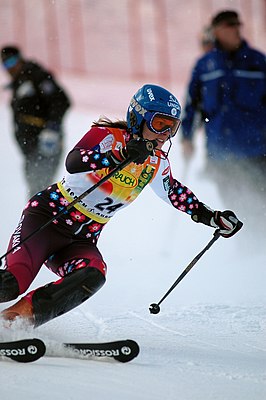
(38, 104)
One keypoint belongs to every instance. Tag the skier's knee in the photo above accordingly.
(57, 298)
(9, 288)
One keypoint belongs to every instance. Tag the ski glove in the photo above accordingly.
(227, 223)
(137, 149)
(140, 149)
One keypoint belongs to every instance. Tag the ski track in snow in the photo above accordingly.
(208, 351)
(221, 344)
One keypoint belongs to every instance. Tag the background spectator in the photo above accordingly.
(38, 104)
(228, 84)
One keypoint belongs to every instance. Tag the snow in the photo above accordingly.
(208, 341)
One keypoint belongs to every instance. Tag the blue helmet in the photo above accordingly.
(149, 102)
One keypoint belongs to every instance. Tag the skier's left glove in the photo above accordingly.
(227, 223)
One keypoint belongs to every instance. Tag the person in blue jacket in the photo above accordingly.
(228, 86)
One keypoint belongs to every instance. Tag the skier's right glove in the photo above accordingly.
(140, 149)
(137, 149)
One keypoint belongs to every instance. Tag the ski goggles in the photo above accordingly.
(161, 123)
(10, 62)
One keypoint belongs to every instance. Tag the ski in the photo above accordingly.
(25, 350)
(29, 350)
(120, 350)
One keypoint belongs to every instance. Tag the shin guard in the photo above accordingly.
(57, 298)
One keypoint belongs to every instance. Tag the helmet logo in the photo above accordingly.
(173, 103)
(150, 94)
(173, 100)
(134, 104)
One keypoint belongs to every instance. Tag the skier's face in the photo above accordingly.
(161, 138)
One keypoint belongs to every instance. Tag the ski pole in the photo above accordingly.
(155, 307)
(70, 205)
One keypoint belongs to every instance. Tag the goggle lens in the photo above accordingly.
(10, 62)
(161, 123)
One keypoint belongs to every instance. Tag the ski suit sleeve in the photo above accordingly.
(92, 152)
(180, 196)
(172, 191)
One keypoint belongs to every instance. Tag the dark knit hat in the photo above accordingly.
(228, 16)
(9, 51)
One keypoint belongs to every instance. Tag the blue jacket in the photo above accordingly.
(229, 89)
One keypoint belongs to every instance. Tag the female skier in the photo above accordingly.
(68, 245)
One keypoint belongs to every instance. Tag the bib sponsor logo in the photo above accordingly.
(153, 159)
(166, 183)
(166, 171)
(124, 179)
(145, 177)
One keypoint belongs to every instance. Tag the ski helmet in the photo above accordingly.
(156, 106)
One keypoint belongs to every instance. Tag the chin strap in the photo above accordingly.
(164, 154)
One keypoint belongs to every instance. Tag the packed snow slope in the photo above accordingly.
(208, 341)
